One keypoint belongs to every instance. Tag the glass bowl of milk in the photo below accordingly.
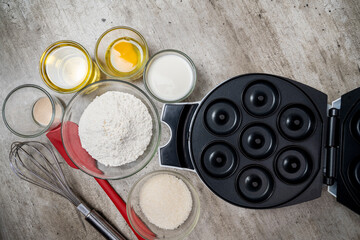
(170, 76)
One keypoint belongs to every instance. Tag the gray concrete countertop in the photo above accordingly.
(313, 42)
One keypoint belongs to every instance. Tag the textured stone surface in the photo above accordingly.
(313, 42)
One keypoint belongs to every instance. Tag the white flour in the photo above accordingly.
(115, 128)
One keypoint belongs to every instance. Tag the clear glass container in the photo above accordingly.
(66, 67)
(29, 111)
(107, 39)
(71, 139)
(165, 73)
(148, 230)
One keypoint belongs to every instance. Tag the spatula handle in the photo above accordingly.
(117, 200)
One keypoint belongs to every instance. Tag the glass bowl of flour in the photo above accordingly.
(111, 129)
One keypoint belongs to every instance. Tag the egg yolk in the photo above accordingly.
(127, 52)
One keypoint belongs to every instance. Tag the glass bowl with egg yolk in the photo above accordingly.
(122, 52)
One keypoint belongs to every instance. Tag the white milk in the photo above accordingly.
(170, 77)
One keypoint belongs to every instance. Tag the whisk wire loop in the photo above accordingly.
(37, 163)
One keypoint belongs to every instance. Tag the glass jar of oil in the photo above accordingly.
(122, 52)
(66, 67)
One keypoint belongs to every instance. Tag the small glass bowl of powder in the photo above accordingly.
(29, 111)
(163, 205)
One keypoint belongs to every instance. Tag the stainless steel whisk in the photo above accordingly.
(37, 163)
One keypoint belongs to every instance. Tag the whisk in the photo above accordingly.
(37, 163)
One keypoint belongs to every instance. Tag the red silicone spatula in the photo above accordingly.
(55, 138)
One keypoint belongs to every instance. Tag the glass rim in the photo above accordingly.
(99, 41)
(187, 183)
(192, 65)
(151, 156)
(44, 75)
(52, 114)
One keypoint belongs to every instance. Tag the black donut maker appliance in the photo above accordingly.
(264, 141)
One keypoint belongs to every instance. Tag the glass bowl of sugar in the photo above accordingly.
(163, 205)
(110, 129)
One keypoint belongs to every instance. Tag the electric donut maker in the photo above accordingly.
(264, 141)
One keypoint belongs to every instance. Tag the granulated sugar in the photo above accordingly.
(166, 201)
(115, 128)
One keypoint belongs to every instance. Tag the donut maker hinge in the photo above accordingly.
(332, 147)
(176, 152)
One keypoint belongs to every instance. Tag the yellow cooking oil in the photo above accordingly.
(124, 56)
(66, 67)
